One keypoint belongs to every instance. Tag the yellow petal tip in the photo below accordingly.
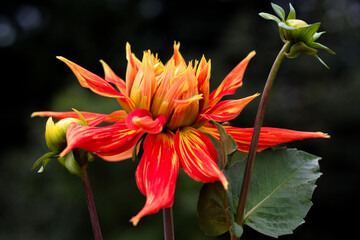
(251, 54)
(34, 114)
(134, 221)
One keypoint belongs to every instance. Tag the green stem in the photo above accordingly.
(168, 224)
(90, 202)
(256, 133)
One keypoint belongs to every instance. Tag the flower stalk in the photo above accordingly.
(168, 224)
(83, 160)
(256, 133)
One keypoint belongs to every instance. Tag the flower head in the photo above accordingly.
(171, 104)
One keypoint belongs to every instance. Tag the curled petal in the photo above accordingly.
(231, 82)
(104, 141)
(141, 119)
(157, 173)
(268, 136)
(198, 156)
(92, 119)
(228, 109)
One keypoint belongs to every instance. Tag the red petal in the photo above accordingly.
(111, 77)
(91, 118)
(177, 56)
(107, 141)
(89, 80)
(268, 136)
(203, 77)
(132, 68)
(141, 119)
(116, 116)
(121, 156)
(232, 81)
(198, 156)
(228, 109)
(157, 173)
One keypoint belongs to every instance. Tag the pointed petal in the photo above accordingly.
(268, 136)
(177, 56)
(231, 82)
(111, 77)
(157, 173)
(132, 68)
(116, 116)
(203, 77)
(89, 80)
(91, 118)
(141, 119)
(198, 156)
(107, 141)
(228, 109)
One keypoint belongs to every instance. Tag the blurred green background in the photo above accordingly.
(306, 96)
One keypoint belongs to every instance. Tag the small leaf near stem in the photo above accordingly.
(256, 133)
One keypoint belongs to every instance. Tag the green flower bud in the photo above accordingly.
(55, 133)
(302, 36)
(296, 23)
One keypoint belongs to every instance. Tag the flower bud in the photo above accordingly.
(296, 23)
(55, 133)
(298, 33)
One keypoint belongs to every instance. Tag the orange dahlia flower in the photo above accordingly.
(172, 105)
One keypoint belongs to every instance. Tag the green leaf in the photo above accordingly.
(281, 188)
(216, 215)
(279, 11)
(292, 13)
(227, 146)
(236, 157)
(268, 16)
(45, 159)
(212, 217)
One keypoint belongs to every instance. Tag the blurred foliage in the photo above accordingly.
(51, 205)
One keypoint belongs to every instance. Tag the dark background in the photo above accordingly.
(306, 96)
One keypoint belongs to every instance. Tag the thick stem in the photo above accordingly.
(168, 224)
(91, 205)
(256, 133)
